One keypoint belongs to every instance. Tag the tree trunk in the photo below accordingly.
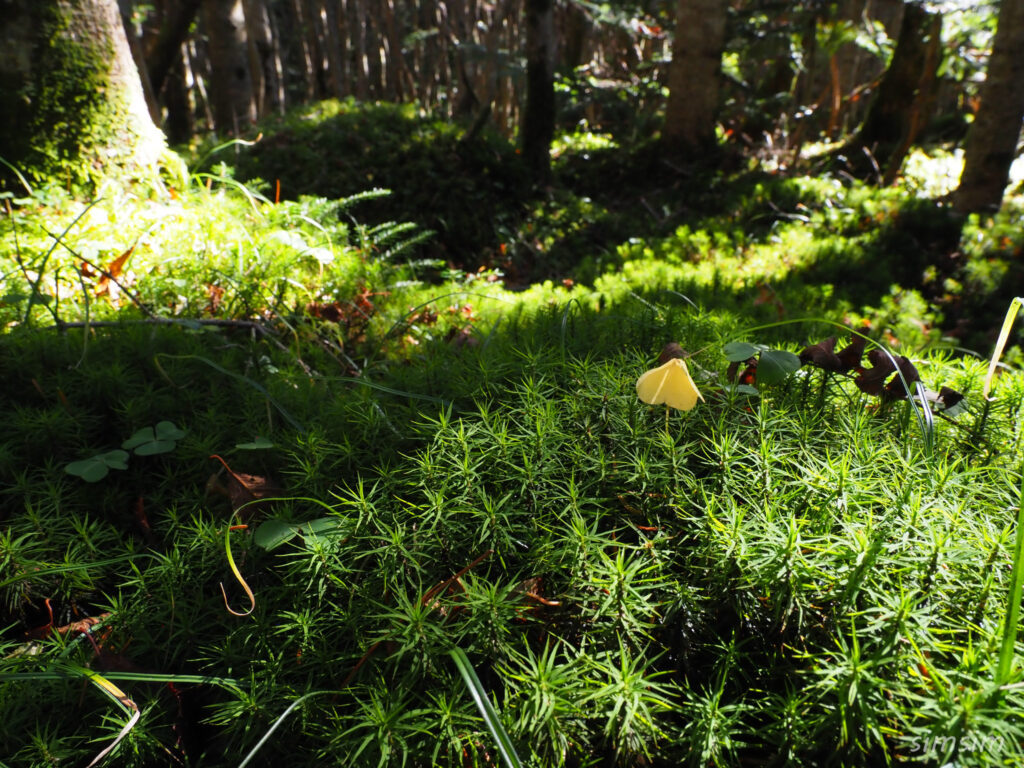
(693, 78)
(265, 58)
(234, 106)
(164, 51)
(135, 46)
(903, 103)
(180, 124)
(992, 139)
(71, 102)
(334, 44)
(538, 127)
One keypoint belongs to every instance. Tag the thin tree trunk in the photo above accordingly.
(924, 104)
(538, 127)
(357, 23)
(306, 56)
(180, 125)
(313, 29)
(256, 52)
(334, 45)
(196, 64)
(992, 140)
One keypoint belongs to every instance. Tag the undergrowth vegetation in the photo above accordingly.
(263, 458)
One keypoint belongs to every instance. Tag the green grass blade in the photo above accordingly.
(111, 691)
(280, 719)
(41, 270)
(39, 573)
(479, 694)
(24, 183)
(390, 390)
(1013, 601)
(1004, 335)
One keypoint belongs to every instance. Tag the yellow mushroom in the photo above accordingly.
(670, 384)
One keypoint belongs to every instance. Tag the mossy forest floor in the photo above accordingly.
(301, 457)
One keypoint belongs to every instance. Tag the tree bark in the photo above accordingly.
(693, 78)
(992, 139)
(538, 127)
(164, 51)
(180, 122)
(135, 46)
(71, 102)
(234, 106)
(904, 101)
(335, 45)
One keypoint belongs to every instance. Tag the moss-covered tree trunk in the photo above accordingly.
(992, 140)
(71, 102)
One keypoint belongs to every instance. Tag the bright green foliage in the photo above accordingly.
(339, 148)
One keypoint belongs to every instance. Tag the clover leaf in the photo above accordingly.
(95, 468)
(149, 441)
(774, 365)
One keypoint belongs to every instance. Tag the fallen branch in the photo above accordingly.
(152, 320)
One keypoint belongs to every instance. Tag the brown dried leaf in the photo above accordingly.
(821, 355)
(671, 351)
(895, 389)
(532, 589)
(872, 380)
(244, 490)
(106, 284)
(850, 355)
(949, 397)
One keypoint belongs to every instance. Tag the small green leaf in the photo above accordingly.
(322, 525)
(738, 351)
(166, 430)
(272, 533)
(144, 435)
(155, 447)
(774, 365)
(255, 445)
(96, 467)
(742, 389)
(89, 470)
(321, 529)
(149, 441)
(955, 410)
